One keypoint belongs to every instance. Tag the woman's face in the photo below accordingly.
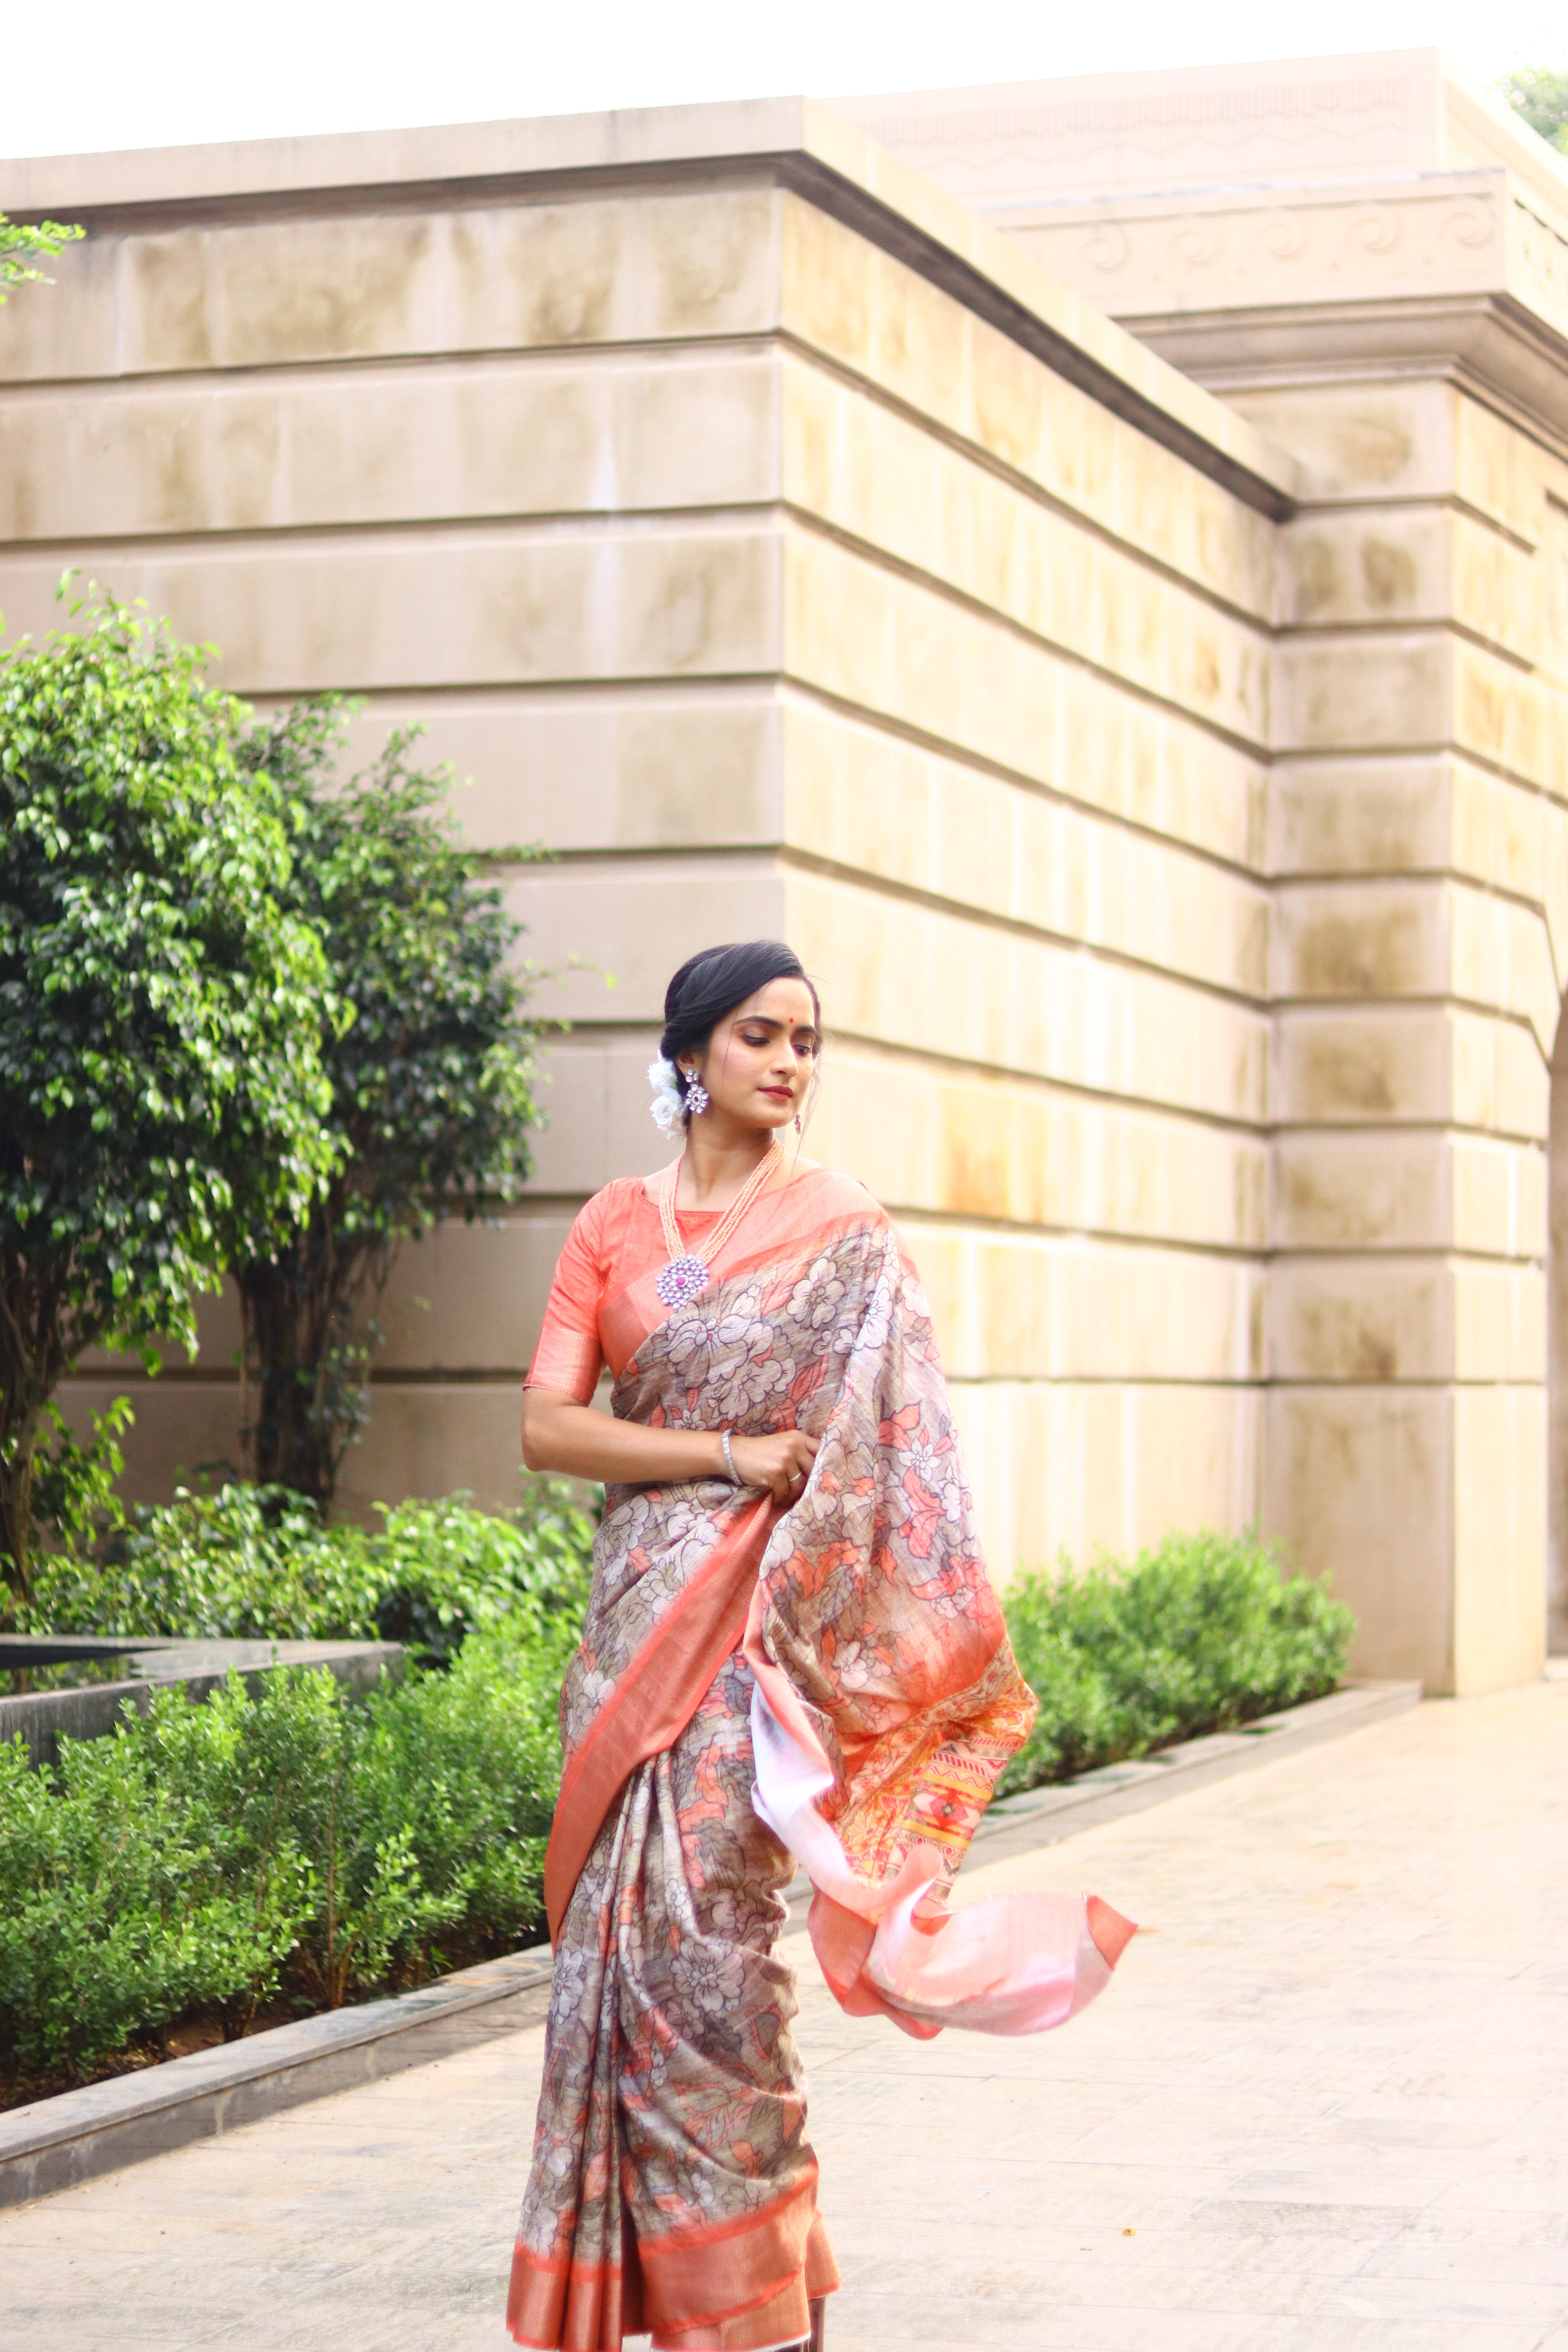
(758, 1064)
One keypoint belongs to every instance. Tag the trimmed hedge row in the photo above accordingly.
(258, 1562)
(1205, 1632)
(301, 1848)
(210, 1857)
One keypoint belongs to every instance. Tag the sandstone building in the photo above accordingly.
(1089, 564)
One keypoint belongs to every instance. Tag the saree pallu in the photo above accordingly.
(829, 1682)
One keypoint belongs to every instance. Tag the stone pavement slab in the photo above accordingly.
(1323, 2108)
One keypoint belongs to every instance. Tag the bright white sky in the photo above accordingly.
(99, 74)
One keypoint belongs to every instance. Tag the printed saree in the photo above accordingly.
(828, 1683)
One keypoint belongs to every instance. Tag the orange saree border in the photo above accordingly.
(692, 2281)
(655, 1696)
(563, 2306)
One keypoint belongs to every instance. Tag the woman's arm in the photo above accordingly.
(559, 1433)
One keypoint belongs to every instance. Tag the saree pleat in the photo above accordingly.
(672, 2087)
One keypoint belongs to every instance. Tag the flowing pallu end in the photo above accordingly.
(655, 1697)
(1017, 1964)
(738, 2286)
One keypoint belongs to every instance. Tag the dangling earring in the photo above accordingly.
(696, 1096)
(798, 1128)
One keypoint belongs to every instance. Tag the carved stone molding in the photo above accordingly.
(1373, 243)
(1460, 273)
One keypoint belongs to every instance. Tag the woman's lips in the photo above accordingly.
(779, 1094)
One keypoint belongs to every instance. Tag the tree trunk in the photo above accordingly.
(34, 1352)
(305, 1369)
(17, 1521)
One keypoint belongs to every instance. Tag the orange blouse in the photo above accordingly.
(615, 1237)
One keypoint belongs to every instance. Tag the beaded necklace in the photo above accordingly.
(687, 1274)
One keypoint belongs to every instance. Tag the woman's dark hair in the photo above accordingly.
(713, 982)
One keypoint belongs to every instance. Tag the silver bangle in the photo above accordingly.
(735, 1479)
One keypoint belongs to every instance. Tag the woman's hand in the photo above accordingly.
(781, 1463)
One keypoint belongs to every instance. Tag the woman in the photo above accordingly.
(792, 1653)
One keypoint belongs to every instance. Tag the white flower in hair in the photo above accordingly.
(667, 1109)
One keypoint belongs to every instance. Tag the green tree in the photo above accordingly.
(162, 1095)
(431, 1078)
(44, 240)
(1541, 94)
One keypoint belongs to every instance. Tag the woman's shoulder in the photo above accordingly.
(604, 1214)
(621, 1189)
(838, 1194)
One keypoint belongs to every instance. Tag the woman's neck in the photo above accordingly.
(721, 1155)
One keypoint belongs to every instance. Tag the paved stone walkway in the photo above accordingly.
(1325, 2108)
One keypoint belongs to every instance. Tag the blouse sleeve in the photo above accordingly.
(568, 1359)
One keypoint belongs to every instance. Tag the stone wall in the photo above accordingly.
(1383, 289)
(1173, 824)
(744, 564)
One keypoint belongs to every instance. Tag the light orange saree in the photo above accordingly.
(830, 1681)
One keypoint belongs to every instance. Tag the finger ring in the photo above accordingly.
(797, 1479)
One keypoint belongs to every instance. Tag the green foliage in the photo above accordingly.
(1199, 1636)
(431, 1078)
(120, 1904)
(447, 1571)
(203, 1856)
(75, 1501)
(248, 1563)
(1540, 93)
(42, 241)
(161, 1093)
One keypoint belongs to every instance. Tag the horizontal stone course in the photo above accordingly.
(339, 284)
(1408, 1189)
(864, 310)
(893, 645)
(1138, 855)
(458, 608)
(890, 484)
(1064, 1307)
(1422, 1317)
(1367, 440)
(295, 449)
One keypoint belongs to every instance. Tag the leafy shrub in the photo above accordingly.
(161, 1093)
(432, 1077)
(258, 1561)
(121, 1901)
(75, 1504)
(1198, 1635)
(206, 1855)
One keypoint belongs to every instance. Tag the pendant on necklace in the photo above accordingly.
(683, 1277)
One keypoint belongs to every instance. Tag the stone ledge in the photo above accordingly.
(156, 1663)
(55, 2143)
